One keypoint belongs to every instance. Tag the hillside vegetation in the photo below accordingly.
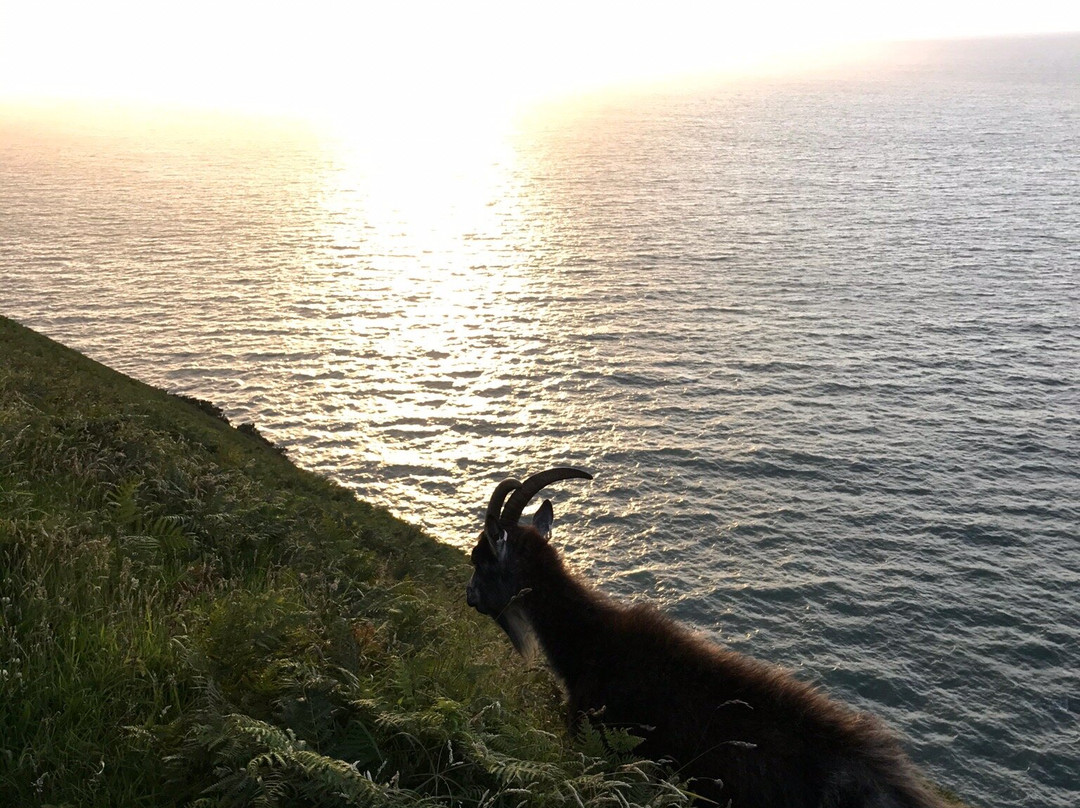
(188, 619)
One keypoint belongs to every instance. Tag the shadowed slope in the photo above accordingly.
(186, 618)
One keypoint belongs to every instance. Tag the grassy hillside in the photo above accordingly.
(188, 619)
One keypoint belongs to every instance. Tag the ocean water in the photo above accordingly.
(817, 336)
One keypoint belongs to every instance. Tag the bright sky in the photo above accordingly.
(395, 55)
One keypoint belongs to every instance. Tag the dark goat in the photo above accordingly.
(743, 731)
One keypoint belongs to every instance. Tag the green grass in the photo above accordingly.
(188, 619)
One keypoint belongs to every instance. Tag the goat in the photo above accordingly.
(744, 733)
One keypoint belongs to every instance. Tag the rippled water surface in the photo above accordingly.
(818, 339)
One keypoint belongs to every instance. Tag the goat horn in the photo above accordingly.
(495, 504)
(532, 486)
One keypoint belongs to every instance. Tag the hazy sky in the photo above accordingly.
(324, 54)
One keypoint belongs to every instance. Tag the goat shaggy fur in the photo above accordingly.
(742, 731)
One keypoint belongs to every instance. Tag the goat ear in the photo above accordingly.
(492, 532)
(496, 538)
(543, 518)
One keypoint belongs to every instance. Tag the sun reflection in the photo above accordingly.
(422, 191)
(421, 236)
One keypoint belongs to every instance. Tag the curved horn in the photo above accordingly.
(498, 496)
(532, 486)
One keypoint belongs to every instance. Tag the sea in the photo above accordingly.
(816, 334)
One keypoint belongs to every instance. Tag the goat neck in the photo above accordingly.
(566, 616)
